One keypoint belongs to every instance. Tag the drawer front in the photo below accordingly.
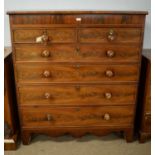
(77, 95)
(55, 35)
(47, 72)
(77, 116)
(107, 35)
(72, 19)
(81, 53)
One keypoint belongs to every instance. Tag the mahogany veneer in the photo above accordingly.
(77, 72)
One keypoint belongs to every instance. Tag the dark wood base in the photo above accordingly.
(11, 146)
(144, 136)
(129, 135)
(75, 132)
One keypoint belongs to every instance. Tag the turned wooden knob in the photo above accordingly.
(46, 73)
(108, 95)
(111, 35)
(47, 95)
(44, 37)
(110, 53)
(109, 73)
(45, 53)
(111, 32)
(49, 117)
(106, 117)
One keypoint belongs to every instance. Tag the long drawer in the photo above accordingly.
(77, 95)
(84, 35)
(78, 53)
(77, 116)
(68, 19)
(47, 72)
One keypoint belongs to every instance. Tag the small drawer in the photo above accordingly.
(77, 116)
(81, 53)
(47, 72)
(110, 35)
(55, 35)
(77, 95)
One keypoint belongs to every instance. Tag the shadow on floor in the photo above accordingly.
(86, 138)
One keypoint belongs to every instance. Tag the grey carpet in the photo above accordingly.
(88, 145)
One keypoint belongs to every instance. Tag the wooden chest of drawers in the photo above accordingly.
(77, 72)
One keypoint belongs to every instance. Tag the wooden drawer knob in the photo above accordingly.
(108, 95)
(45, 37)
(46, 73)
(45, 53)
(110, 53)
(47, 95)
(42, 39)
(49, 117)
(111, 35)
(109, 73)
(106, 116)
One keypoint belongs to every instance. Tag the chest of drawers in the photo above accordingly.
(76, 72)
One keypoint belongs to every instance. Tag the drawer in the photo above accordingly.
(110, 35)
(77, 95)
(55, 35)
(77, 116)
(81, 53)
(72, 19)
(47, 72)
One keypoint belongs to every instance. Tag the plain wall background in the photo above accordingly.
(114, 5)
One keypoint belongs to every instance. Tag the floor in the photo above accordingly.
(112, 144)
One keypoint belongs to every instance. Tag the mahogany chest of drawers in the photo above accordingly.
(76, 72)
